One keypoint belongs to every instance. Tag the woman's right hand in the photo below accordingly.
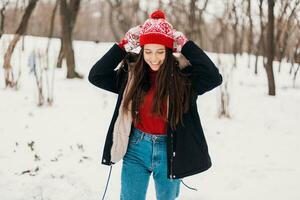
(131, 39)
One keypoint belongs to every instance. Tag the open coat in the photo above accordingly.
(187, 150)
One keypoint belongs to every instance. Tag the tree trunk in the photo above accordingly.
(289, 29)
(296, 55)
(280, 27)
(68, 16)
(260, 47)
(52, 24)
(250, 36)
(295, 75)
(111, 24)
(2, 16)
(50, 84)
(9, 78)
(61, 55)
(235, 31)
(192, 20)
(270, 48)
(201, 32)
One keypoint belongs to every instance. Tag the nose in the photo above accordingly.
(153, 58)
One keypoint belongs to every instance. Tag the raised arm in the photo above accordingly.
(103, 73)
(205, 75)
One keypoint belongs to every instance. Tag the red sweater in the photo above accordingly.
(150, 123)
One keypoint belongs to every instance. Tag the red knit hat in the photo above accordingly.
(157, 30)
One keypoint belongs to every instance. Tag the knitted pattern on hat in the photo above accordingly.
(157, 30)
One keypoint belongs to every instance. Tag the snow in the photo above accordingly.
(53, 153)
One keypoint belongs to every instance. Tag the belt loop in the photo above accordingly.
(154, 138)
(142, 136)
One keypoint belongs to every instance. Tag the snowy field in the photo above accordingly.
(54, 153)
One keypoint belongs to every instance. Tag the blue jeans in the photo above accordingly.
(146, 153)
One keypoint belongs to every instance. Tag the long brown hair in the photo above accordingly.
(170, 81)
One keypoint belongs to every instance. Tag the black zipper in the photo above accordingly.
(171, 161)
(171, 143)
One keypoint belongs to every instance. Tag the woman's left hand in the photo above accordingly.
(179, 40)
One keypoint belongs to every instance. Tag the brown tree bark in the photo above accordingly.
(50, 84)
(289, 28)
(280, 26)
(235, 30)
(52, 25)
(191, 33)
(296, 54)
(201, 23)
(72, 8)
(122, 16)
(114, 31)
(69, 13)
(242, 35)
(260, 47)
(52, 21)
(270, 49)
(2, 16)
(250, 35)
(8, 74)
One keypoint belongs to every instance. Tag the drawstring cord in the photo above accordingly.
(188, 186)
(107, 182)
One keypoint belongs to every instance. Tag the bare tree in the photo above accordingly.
(288, 28)
(112, 26)
(220, 42)
(8, 74)
(295, 75)
(270, 48)
(296, 57)
(279, 20)
(2, 16)
(191, 13)
(226, 68)
(260, 46)
(280, 24)
(50, 85)
(123, 15)
(243, 18)
(296, 54)
(235, 22)
(201, 23)
(72, 15)
(191, 33)
(250, 35)
(68, 14)
(52, 20)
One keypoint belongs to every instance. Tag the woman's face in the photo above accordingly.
(154, 55)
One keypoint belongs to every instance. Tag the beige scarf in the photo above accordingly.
(122, 127)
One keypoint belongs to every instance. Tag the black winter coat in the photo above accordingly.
(187, 150)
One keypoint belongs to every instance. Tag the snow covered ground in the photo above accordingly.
(53, 153)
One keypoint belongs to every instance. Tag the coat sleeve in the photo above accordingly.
(205, 75)
(103, 73)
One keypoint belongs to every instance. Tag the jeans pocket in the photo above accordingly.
(134, 139)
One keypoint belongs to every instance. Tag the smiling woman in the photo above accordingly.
(154, 55)
(155, 127)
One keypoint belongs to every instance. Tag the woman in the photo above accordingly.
(155, 126)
